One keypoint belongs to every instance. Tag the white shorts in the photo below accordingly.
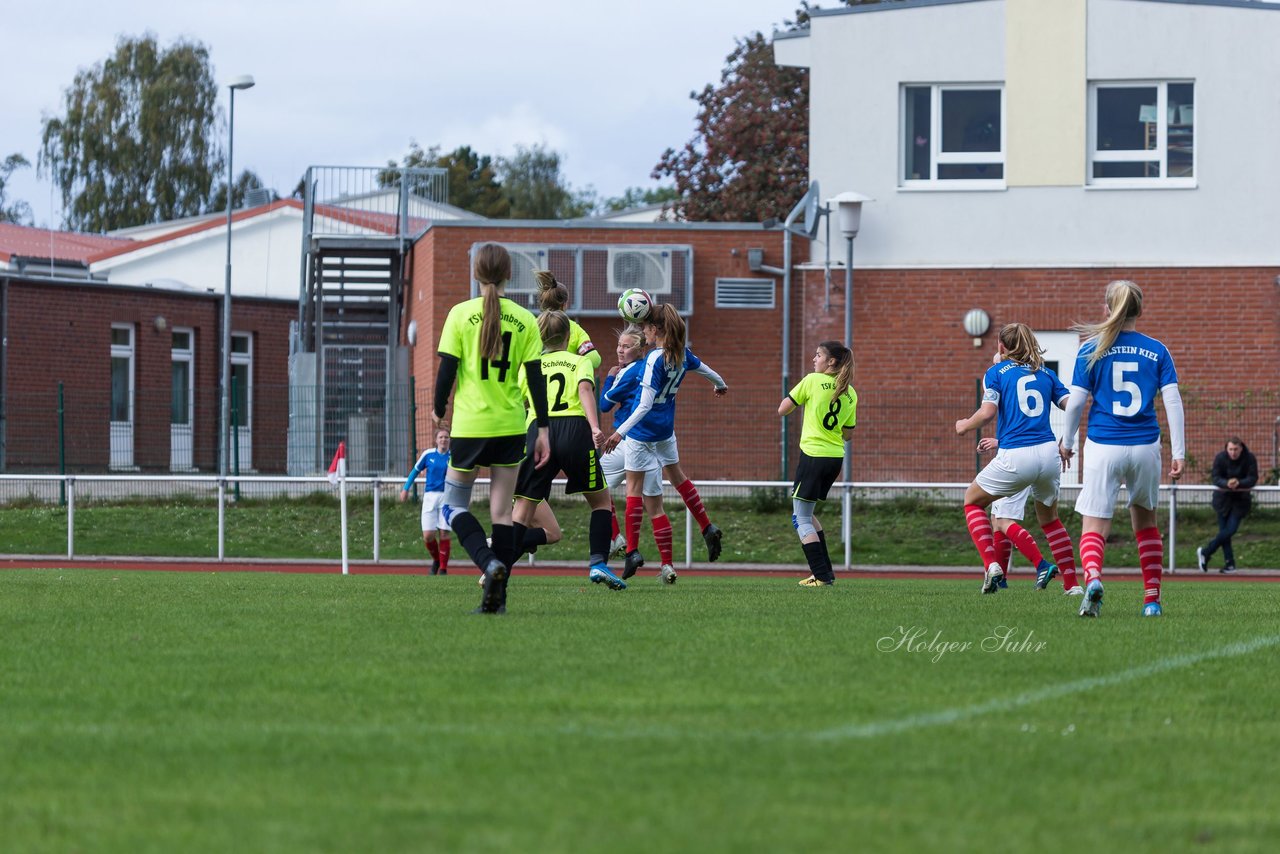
(1012, 507)
(643, 456)
(431, 518)
(1037, 468)
(614, 466)
(1106, 467)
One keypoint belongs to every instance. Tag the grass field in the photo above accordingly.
(268, 712)
(902, 532)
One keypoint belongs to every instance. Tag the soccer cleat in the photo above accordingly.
(480, 580)
(634, 561)
(1045, 574)
(618, 547)
(494, 583)
(667, 574)
(435, 566)
(712, 535)
(807, 581)
(1092, 604)
(813, 582)
(1152, 609)
(600, 574)
(1201, 559)
(991, 578)
(1074, 591)
(1228, 568)
(1003, 583)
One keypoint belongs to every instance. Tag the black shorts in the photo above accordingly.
(573, 451)
(814, 476)
(467, 454)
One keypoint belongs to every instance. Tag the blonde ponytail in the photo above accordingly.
(492, 270)
(1124, 303)
(1020, 345)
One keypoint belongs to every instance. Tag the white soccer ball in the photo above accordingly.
(634, 305)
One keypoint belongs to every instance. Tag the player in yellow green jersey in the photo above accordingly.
(830, 414)
(575, 435)
(483, 345)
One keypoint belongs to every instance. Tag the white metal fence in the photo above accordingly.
(70, 489)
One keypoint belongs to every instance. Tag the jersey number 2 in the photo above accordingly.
(561, 404)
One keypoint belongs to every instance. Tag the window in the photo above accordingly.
(1142, 133)
(953, 135)
(182, 379)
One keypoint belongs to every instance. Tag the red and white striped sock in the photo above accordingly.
(1025, 543)
(444, 553)
(1092, 546)
(662, 536)
(1003, 549)
(693, 501)
(980, 530)
(635, 516)
(1151, 560)
(613, 517)
(1060, 546)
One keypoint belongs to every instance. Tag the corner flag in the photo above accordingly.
(338, 468)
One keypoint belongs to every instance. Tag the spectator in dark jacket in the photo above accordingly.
(1235, 473)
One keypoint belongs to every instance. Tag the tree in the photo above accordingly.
(473, 178)
(532, 183)
(136, 140)
(749, 156)
(247, 181)
(634, 197)
(19, 211)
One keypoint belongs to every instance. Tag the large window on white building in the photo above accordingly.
(1142, 134)
(953, 135)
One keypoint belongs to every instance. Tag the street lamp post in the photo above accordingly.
(848, 208)
(224, 436)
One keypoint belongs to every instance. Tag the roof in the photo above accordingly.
(127, 246)
(1269, 5)
(22, 241)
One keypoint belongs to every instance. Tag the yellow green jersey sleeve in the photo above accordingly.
(580, 343)
(564, 372)
(825, 416)
(488, 400)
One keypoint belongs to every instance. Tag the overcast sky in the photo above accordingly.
(604, 82)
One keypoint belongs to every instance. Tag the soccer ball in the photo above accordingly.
(634, 305)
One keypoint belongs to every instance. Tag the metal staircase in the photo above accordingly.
(348, 374)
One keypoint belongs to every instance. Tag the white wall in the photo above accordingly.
(860, 60)
(265, 258)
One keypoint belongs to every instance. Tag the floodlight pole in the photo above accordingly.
(224, 435)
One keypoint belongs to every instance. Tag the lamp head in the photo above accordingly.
(244, 81)
(848, 208)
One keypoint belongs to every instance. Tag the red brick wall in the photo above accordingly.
(719, 437)
(60, 333)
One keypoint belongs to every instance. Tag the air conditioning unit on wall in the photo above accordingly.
(524, 260)
(649, 269)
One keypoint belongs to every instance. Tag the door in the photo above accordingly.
(1060, 357)
(121, 425)
(182, 401)
(242, 401)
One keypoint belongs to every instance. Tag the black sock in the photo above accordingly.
(504, 543)
(534, 537)
(601, 535)
(816, 556)
(826, 554)
(471, 535)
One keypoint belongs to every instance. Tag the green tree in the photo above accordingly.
(635, 197)
(473, 178)
(17, 211)
(749, 157)
(136, 139)
(532, 183)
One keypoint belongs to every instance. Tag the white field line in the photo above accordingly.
(875, 729)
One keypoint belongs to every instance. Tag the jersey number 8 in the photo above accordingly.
(832, 419)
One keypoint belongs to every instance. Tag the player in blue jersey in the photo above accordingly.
(651, 431)
(1018, 391)
(1124, 371)
(625, 378)
(435, 531)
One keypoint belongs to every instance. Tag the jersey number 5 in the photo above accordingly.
(1122, 386)
(503, 365)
